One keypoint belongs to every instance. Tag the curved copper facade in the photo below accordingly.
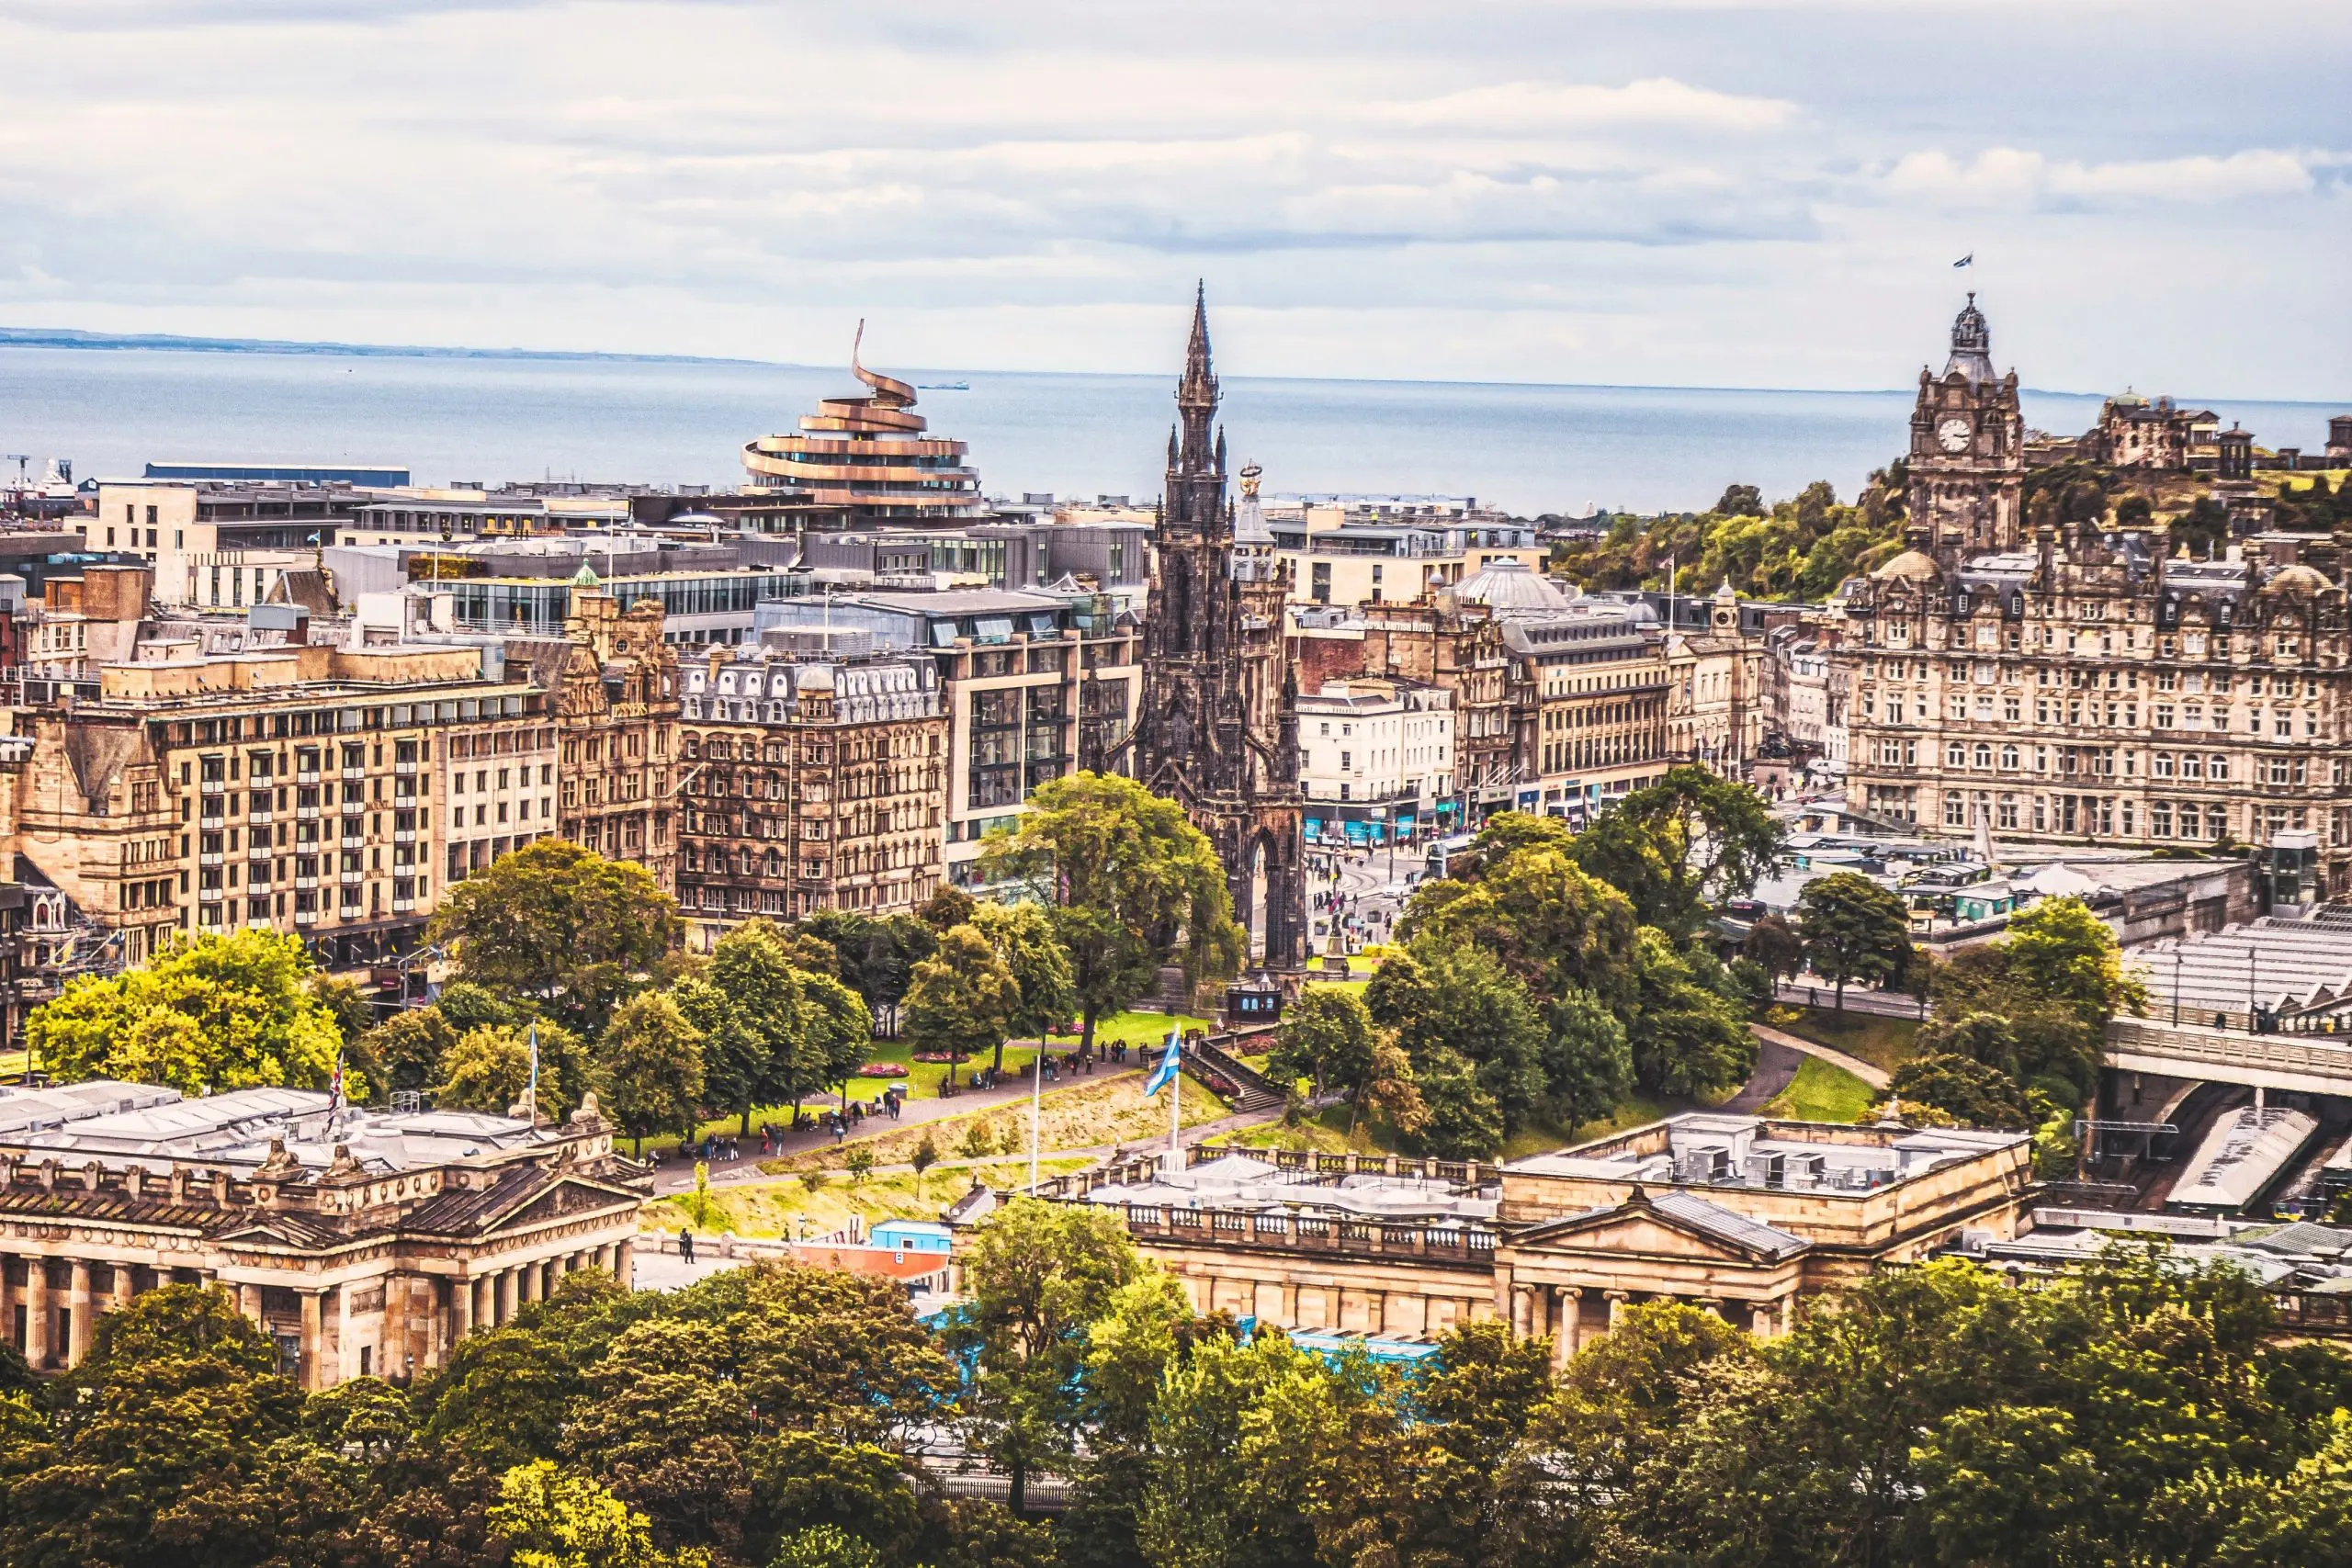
(869, 454)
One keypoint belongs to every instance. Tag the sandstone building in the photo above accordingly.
(2085, 685)
(1745, 1216)
(810, 780)
(363, 1243)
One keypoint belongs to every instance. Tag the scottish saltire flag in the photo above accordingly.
(1968, 260)
(1167, 1068)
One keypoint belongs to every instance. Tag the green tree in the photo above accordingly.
(1854, 929)
(1450, 995)
(1461, 1118)
(405, 1050)
(1775, 943)
(1037, 1275)
(963, 997)
(1964, 1089)
(219, 1012)
(650, 1063)
(1521, 897)
(750, 1007)
(1132, 883)
(1043, 994)
(1689, 1035)
(1326, 1035)
(874, 958)
(1680, 847)
(552, 1519)
(2059, 949)
(926, 1154)
(1587, 1059)
(488, 1070)
(563, 925)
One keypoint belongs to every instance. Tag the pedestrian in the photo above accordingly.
(685, 1244)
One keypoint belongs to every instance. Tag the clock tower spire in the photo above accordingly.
(1967, 458)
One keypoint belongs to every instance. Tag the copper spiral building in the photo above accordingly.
(870, 456)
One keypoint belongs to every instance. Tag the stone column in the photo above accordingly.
(77, 1312)
(625, 1261)
(461, 1308)
(558, 1266)
(122, 1282)
(1375, 1312)
(510, 1285)
(37, 1308)
(1569, 1339)
(1522, 1312)
(1616, 1300)
(249, 1303)
(532, 1280)
(313, 1341)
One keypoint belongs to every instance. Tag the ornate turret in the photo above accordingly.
(1972, 344)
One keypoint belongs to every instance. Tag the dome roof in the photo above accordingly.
(1912, 565)
(586, 577)
(1508, 585)
(2298, 577)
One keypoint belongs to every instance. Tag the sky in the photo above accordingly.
(2155, 195)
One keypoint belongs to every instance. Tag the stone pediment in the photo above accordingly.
(1676, 1225)
(266, 1234)
(567, 1197)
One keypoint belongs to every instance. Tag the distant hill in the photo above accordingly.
(70, 337)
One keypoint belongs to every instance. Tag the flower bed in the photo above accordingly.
(882, 1070)
(938, 1058)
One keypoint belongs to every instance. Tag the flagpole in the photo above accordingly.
(535, 1072)
(1037, 1104)
(1175, 1106)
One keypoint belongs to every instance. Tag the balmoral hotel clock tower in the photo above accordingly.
(1967, 462)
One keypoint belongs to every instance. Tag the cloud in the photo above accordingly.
(1520, 108)
(1758, 194)
(2014, 176)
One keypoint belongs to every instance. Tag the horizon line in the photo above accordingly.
(76, 338)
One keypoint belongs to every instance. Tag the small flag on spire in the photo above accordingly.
(1968, 260)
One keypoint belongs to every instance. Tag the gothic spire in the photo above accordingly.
(1196, 397)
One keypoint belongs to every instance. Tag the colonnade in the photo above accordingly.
(49, 1306)
(1423, 1308)
(488, 1298)
(1558, 1311)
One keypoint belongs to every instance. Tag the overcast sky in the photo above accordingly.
(1660, 194)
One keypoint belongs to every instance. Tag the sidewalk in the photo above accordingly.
(677, 1175)
(1877, 1077)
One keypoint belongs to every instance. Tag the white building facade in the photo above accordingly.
(1376, 755)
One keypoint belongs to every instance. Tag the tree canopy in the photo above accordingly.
(1854, 929)
(1132, 884)
(560, 924)
(1679, 848)
(219, 1012)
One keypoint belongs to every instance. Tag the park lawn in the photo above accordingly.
(923, 1079)
(1085, 1116)
(1144, 1028)
(1822, 1092)
(1882, 1041)
(786, 1207)
(1325, 1132)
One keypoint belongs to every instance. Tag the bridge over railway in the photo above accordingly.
(2309, 1063)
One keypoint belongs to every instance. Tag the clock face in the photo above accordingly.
(1953, 433)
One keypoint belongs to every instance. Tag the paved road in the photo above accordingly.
(1776, 1069)
(1821, 993)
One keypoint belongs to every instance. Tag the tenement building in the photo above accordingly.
(1218, 729)
(2088, 684)
(1745, 1216)
(812, 778)
(363, 1243)
(1034, 686)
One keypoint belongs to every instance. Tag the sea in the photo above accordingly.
(1526, 449)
